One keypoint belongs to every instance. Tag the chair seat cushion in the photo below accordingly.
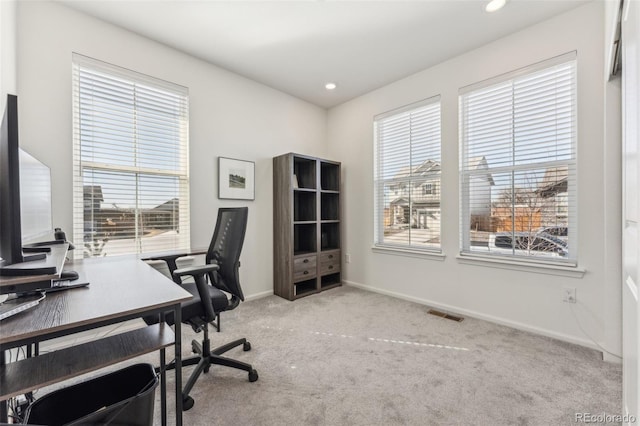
(193, 308)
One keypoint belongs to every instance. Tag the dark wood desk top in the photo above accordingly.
(119, 287)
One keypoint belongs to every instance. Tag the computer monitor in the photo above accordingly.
(30, 213)
(10, 225)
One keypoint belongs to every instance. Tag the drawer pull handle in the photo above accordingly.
(330, 266)
(305, 261)
(305, 272)
(330, 256)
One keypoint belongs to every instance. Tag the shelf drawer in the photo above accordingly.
(329, 268)
(332, 256)
(304, 267)
(329, 262)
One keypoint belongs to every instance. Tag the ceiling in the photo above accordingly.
(297, 46)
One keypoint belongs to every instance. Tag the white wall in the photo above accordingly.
(230, 116)
(526, 300)
(7, 50)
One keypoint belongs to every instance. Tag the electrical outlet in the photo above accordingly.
(347, 258)
(569, 294)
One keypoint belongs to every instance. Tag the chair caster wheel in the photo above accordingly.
(253, 375)
(187, 403)
(246, 346)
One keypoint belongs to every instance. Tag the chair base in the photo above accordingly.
(206, 358)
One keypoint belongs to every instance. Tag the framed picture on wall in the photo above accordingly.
(236, 179)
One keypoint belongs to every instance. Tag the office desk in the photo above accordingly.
(121, 289)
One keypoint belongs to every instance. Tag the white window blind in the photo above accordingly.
(518, 164)
(407, 177)
(131, 176)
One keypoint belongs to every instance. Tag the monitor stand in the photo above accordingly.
(26, 249)
(41, 247)
(45, 264)
(30, 257)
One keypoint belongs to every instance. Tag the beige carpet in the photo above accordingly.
(351, 357)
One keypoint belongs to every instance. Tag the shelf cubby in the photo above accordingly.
(329, 176)
(330, 236)
(304, 206)
(331, 280)
(304, 238)
(304, 288)
(329, 206)
(304, 171)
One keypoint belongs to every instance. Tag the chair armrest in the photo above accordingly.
(170, 260)
(167, 257)
(199, 273)
(196, 270)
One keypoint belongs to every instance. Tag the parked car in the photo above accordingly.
(526, 244)
(560, 232)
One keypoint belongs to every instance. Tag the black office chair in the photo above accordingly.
(212, 283)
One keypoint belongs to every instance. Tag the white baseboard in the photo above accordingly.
(490, 318)
(611, 358)
(258, 295)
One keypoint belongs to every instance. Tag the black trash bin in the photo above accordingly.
(124, 397)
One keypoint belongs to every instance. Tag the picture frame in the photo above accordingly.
(236, 179)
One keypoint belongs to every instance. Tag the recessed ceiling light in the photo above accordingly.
(494, 5)
(330, 86)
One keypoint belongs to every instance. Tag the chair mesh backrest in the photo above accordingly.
(225, 249)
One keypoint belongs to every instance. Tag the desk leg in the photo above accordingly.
(4, 414)
(163, 378)
(163, 387)
(178, 361)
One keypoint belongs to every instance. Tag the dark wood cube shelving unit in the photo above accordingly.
(306, 227)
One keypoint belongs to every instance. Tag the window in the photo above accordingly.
(131, 178)
(407, 175)
(518, 164)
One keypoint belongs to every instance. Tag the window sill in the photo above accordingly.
(539, 268)
(407, 252)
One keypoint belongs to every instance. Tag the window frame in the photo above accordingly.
(379, 244)
(177, 170)
(466, 251)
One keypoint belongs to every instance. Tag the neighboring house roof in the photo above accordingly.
(93, 192)
(428, 167)
(400, 201)
(554, 182)
(425, 168)
(480, 163)
(170, 205)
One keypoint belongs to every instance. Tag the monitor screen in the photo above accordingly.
(10, 228)
(35, 199)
